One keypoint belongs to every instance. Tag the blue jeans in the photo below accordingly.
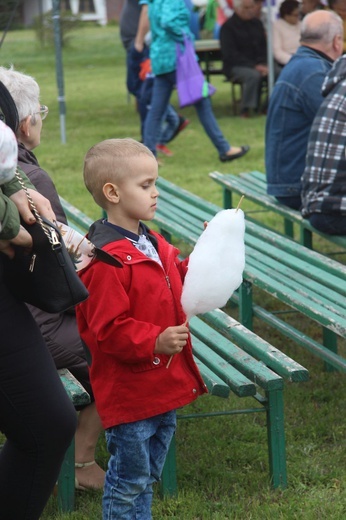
(162, 90)
(169, 126)
(138, 452)
(133, 64)
(170, 119)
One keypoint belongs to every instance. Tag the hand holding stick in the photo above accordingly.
(170, 359)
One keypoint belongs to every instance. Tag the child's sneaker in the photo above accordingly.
(164, 150)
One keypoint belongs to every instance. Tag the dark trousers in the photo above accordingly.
(329, 224)
(293, 202)
(36, 415)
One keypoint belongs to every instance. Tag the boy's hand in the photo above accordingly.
(172, 340)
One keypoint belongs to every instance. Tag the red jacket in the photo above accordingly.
(127, 309)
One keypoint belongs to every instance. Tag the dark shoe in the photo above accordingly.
(245, 114)
(244, 150)
(183, 122)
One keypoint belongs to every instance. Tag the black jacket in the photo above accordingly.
(243, 43)
(41, 180)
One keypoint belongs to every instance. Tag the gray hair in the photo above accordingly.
(323, 32)
(24, 90)
(237, 4)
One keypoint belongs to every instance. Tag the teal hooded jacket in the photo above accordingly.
(169, 22)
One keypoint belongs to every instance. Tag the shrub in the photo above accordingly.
(44, 27)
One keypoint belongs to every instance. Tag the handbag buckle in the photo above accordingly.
(55, 238)
(32, 263)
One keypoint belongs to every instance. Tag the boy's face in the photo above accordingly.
(137, 193)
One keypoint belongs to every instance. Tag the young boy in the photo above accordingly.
(133, 323)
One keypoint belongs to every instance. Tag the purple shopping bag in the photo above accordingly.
(191, 84)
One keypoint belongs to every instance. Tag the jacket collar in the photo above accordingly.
(101, 234)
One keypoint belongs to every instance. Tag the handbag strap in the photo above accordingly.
(53, 241)
(183, 44)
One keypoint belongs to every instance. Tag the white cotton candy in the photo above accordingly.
(216, 264)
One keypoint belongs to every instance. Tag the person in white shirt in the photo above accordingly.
(286, 32)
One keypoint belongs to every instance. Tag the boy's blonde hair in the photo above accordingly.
(108, 161)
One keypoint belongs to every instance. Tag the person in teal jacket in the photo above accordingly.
(169, 22)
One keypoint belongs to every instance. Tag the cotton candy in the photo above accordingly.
(216, 264)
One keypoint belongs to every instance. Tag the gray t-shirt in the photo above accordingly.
(129, 19)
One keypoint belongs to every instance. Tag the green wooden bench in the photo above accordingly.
(233, 359)
(66, 482)
(254, 186)
(311, 284)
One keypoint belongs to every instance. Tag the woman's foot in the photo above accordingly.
(234, 153)
(89, 475)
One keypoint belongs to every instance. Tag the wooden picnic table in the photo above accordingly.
(209, 53)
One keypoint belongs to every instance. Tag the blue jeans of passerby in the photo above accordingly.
(170, 119)
(169, 125)
(133, 64)
(138, 451)
(329, 224)
(162, 90)
(133, 81)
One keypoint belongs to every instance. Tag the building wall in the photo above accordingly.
(105, 10)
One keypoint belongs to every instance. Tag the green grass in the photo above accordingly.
(222, 463)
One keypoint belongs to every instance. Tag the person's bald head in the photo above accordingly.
(323, 31)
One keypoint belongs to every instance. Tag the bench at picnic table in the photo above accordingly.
(231, 358)
(254, 186)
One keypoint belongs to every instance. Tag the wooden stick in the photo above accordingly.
(239, 203)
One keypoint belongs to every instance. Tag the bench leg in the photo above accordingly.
(245, 305)
(306, 237)
(66, 481)
(288, 227)
(330, 341)
(168, 485)
(227, 198)
(276, 439)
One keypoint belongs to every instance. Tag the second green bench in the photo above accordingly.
(254, 186)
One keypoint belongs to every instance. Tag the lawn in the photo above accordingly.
(222, 463)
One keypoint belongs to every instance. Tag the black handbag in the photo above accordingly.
(46, 277)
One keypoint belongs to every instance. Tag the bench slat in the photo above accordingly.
(286, 244)
(76, 392)
(249, 366)
(229, 375)
(214, 384)
(256, 346)
(301, 283)
(297, 301)
(298, 265)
